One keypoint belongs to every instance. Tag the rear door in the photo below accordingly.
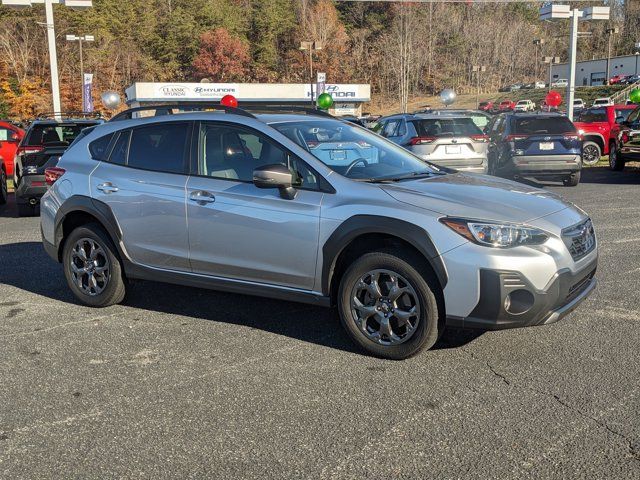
(143, 182)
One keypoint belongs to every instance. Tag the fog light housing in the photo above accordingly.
(519, 302)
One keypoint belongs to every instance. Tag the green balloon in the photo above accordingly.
(325, 101)
(634, 96)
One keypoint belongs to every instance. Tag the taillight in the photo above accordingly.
(52, 174)
(513, 138)
(480, 138)
(29, 149)
(421, 140)
(572, 136)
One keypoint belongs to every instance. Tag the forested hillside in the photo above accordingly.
(402, 50)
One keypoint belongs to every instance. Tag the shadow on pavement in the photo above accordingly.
(26, 266)
(601, 175)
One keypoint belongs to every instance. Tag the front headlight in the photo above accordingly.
(499, 235)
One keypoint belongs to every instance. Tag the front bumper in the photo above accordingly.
(540, 165)
(527, 306)
(30, 189)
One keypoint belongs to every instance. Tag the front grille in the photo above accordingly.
(579, 286)
(580, 239)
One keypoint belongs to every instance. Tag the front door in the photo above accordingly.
(239, 231)
(143, 182)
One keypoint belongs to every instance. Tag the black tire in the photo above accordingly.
(430, 324)
(26, 210)
(115, 287)
(616, 162)
(572, 180)
(591, 153)
(4, 190)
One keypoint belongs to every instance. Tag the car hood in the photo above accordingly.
(479, 197)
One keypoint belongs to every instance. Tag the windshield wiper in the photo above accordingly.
(409, 176)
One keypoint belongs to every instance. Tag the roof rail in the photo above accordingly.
(68, 114)
(167, 109)
(289, 108)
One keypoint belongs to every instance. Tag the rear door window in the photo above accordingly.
(452, 127)
(543, 125)
(161, 147)
(594, 115)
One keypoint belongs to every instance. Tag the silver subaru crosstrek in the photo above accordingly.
(309, 208)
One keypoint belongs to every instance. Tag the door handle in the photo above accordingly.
(201, 197)
(107, 187)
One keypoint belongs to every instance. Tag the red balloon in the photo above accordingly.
(229, 101)
(553, 98)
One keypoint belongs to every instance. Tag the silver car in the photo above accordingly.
(451, 141)
(252, 204)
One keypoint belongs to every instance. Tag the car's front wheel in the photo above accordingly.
(92, 267)
(591, 153)
(616, 162)
(388, 305)
(4, 190)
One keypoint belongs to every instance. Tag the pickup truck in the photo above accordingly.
(600, 128)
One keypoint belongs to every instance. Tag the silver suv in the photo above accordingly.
(312, 209)
(447, 140)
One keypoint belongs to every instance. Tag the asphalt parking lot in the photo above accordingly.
(179, 382)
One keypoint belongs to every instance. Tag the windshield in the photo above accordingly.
(55, 133)
(354, 152)
(543, 125)
(443, 127)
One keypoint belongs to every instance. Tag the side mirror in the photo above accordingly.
(275, 176)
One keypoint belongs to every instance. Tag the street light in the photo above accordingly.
(555, 12)
(610, 32)
(551, 61)
(311, 47)
(80, 39)
(538, 42)
(478, 69)
(51, 37)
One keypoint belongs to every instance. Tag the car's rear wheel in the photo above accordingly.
(591, 153)
(92, 267)
(388, 305)
(616, 162)
(572, 180)
(4, 190)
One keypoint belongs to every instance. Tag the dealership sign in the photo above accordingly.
(199, 90)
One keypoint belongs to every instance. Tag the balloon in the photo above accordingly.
(325, 101)
(553, 99)
(229, 101)
(447, 96)
(634, 95)
(110, 99)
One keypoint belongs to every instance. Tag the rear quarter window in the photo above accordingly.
(542, 125)
(99, 148)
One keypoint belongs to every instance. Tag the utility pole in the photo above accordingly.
(80, 39)
(551, 61)
(538, 42)
(478, 69)
(610, 32)
(311, 47)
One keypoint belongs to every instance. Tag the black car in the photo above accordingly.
(43, 144)
(629, 142)
(545, 145)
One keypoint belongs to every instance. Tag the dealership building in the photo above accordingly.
(594, 72)
(348, 98)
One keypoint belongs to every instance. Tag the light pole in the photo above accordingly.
(80, 39)
(538, 42)
(637, 54)
(555, 12)
(610, 32)
(311, 47)
(551, 61)
(51, 37)
(478, 69)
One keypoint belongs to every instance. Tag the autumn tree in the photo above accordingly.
(221, 57)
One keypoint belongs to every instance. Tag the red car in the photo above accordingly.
(486, 106)
(506, 105)
(617, 79)
(10, 137)
(599, 127)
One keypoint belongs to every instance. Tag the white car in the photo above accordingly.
(578, 103)
(560, 83)
(524, 106)
(539, 85)
(602, 102)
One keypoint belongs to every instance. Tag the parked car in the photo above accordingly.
(481, 119)
(446, 141)
(600, 128)
(543, 145)
(560, 83)
(628, 142)
(486, 106)
(239, 203)
(630, 79)
(602, 102)
(43, 144)
(10, 137)
(528, 86)
(4, 190)
(618, 79)
(524, 106)
(506, 105)
(540, 85)
(578, 104)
